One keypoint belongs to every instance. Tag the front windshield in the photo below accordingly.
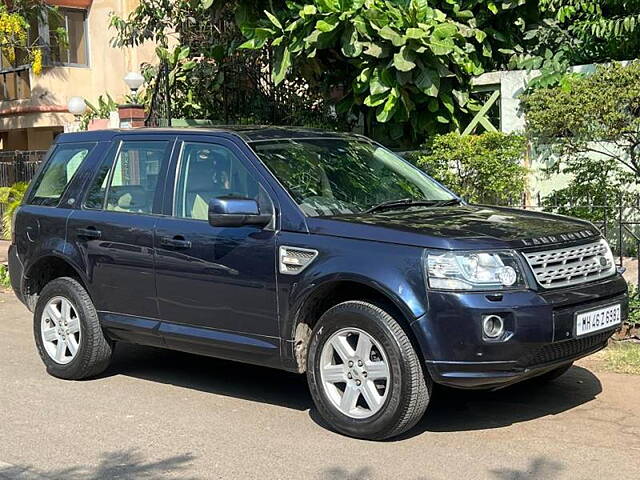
(345, 176)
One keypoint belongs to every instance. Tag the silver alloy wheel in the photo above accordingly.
(355, 373)
(60, 330)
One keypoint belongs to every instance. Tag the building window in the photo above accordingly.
(75, 52)
(15, 84)
(14, 76)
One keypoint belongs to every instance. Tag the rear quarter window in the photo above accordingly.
(58, 172)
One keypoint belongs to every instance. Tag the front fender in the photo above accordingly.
(394, 271)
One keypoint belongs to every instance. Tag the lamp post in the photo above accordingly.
(76, 106)
(134, 81)
(132, 114)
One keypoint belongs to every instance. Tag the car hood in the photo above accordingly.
(457, 227)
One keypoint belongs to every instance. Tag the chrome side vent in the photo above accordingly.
(294, 260)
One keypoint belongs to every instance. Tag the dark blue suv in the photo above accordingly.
(307, 251)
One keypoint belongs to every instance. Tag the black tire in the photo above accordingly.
(410, 388)
(94, 349)
(551, 375)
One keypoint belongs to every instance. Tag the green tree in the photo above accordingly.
(405, 65)
(573, 32)
(595, 116)
(486, 168)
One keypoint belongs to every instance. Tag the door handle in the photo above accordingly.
(89, 232)
(176, 242)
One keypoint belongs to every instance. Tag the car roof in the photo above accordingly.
(249, 133)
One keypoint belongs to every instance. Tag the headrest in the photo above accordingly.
(132, 200)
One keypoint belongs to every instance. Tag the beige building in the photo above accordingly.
(33, 108)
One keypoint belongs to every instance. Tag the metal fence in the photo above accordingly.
(19, 166)
(246, 96)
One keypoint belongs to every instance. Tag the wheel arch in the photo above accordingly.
(331, 292)
(46, 269)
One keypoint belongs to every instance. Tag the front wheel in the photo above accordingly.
(365, 377)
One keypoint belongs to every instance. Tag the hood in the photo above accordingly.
(457, 227)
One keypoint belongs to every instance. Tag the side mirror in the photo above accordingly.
(236, 212)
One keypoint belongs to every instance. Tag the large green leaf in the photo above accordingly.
(308, 10)
(281, 65)
(385, 112)
(442, 40)
(373, 49)
(328, 24)
(351, 47)
(403, 60)
(273, 19)
(375, 100)
(394, 37)
(376, 86)
(428, 81)
(415, 33)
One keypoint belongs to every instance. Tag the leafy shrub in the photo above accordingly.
(484, 168)
(5, 281)
(11, 198)
(103, 110)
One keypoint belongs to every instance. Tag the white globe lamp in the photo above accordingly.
(134, 81)
(76, 106)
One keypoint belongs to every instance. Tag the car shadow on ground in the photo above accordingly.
(463, 410)
(450, 410)
(211, 375)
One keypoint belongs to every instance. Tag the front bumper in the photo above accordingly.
(540, 333)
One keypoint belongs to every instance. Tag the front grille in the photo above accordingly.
(567, 349)
(567, 266)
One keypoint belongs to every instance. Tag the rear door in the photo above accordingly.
(113, 230)
(216, 286)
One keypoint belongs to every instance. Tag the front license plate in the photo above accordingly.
(600, 319)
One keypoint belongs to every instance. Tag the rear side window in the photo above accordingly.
(127, 183)
(58, 173)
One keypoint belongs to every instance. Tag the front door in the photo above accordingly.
(216, 286)
(113, 230)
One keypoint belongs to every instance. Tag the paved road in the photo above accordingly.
(165, 414)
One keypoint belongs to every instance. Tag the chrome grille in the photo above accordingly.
(571, 265)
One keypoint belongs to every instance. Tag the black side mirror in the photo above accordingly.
(236, 212)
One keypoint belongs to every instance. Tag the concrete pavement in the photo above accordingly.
(158, 414)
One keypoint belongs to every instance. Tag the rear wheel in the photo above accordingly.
(364, 375)
(67, 331)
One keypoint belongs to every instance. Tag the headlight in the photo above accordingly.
(473, 270)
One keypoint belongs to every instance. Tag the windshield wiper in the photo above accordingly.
(410, 202)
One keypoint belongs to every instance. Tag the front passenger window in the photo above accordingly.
(208, 171)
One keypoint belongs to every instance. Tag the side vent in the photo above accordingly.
(294, 260)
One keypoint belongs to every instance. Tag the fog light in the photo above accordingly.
(492, 326)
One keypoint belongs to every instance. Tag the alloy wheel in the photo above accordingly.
(60, 330)
(355, 373)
